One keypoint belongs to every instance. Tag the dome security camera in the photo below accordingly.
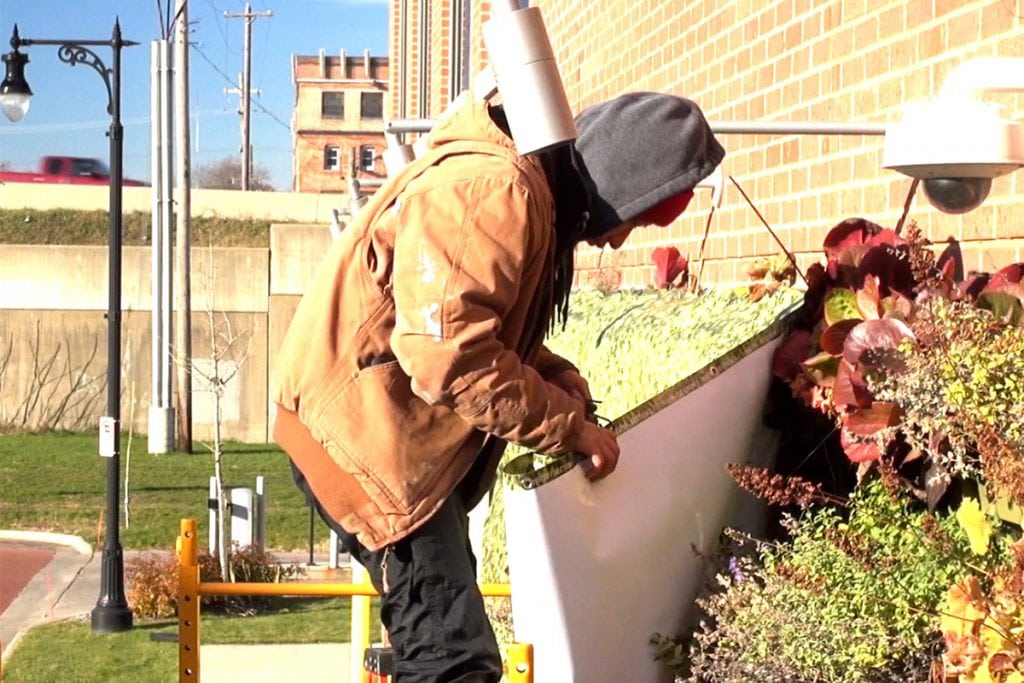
(955, 145)
(956, 195)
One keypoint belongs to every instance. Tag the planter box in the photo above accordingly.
(597, 569)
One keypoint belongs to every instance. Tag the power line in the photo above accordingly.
(245, 95)
(228, 79)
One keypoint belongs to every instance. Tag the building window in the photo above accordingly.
(332, 105)
(332, 158)
(372, 105)
(367, 158)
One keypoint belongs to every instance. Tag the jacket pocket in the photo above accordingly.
(397, 446)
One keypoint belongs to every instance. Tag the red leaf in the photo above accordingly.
(1011, 273)
(886, 236)
(875, 334)
(850, 388)
(892, 266)
(822, 368)
(868, 299)
(870, 420)
(669, 264)
(857, 450)
(794, 350)
(834, 336)
(848, 233)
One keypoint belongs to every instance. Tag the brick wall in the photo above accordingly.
(834, 61)
(314, 75)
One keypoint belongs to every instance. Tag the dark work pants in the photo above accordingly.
(430, 601)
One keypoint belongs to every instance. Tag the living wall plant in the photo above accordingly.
(919, 367)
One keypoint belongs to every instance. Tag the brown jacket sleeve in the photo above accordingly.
(548, 363)
(460, 258)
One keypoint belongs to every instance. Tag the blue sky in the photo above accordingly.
(68, 112)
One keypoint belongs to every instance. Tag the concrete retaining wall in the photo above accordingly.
(53, 348)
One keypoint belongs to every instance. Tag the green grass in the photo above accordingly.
(57, 483)
(70, 226)
(70, 652)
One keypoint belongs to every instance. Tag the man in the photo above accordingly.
(416, 352)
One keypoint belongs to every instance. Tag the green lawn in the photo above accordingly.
(57, 482)
(69, 651)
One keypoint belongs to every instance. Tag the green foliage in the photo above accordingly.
(70, 226)
(964, 382)
(853, 596)
(632, 345)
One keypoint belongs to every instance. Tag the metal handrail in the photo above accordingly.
(519, 656)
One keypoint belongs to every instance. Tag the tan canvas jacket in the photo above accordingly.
(419, 336)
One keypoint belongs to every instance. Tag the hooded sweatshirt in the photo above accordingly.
(418, 342)
(639, 149)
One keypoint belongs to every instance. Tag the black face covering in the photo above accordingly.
(572, 216)
(572, 204)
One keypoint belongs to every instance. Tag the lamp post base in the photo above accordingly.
(111, 619)
(111, 613)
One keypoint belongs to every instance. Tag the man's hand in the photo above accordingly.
(600, 446)
(572, 383)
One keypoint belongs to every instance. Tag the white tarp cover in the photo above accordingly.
(597, 569)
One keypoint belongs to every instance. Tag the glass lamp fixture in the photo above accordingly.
(15, 95)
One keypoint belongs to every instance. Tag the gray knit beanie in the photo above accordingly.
(639, 149)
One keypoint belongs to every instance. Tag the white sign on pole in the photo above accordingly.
(108, 437)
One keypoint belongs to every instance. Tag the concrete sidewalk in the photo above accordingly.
(69, 586)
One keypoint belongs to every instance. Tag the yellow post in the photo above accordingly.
(188, 602)
(360, 634)
(519, 663)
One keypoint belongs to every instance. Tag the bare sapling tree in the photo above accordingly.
(6, 352)
(229, 349)
(128, 457)
(60, 394)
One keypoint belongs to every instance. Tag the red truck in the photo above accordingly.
(66, 170)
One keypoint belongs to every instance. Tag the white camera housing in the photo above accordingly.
(954, 142)
(953, 137)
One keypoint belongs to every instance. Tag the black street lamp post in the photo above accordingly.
(111, 613)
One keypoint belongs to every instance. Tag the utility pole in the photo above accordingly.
(183, 243)
(249, 16)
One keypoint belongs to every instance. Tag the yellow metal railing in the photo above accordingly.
(518, 656)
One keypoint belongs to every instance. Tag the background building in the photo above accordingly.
(837, 61)
(338, 121)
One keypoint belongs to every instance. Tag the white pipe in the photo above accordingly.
(984, 74)
(161, 413)
(156, 222)
(796, 128)
(167, 178)
(721, 128)
(504, 7)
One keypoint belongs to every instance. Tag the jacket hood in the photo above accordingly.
(639, 149)
(469, 120)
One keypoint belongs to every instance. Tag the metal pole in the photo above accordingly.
(112, 613)
(246, 98)
(720, 127)
(312, 516)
